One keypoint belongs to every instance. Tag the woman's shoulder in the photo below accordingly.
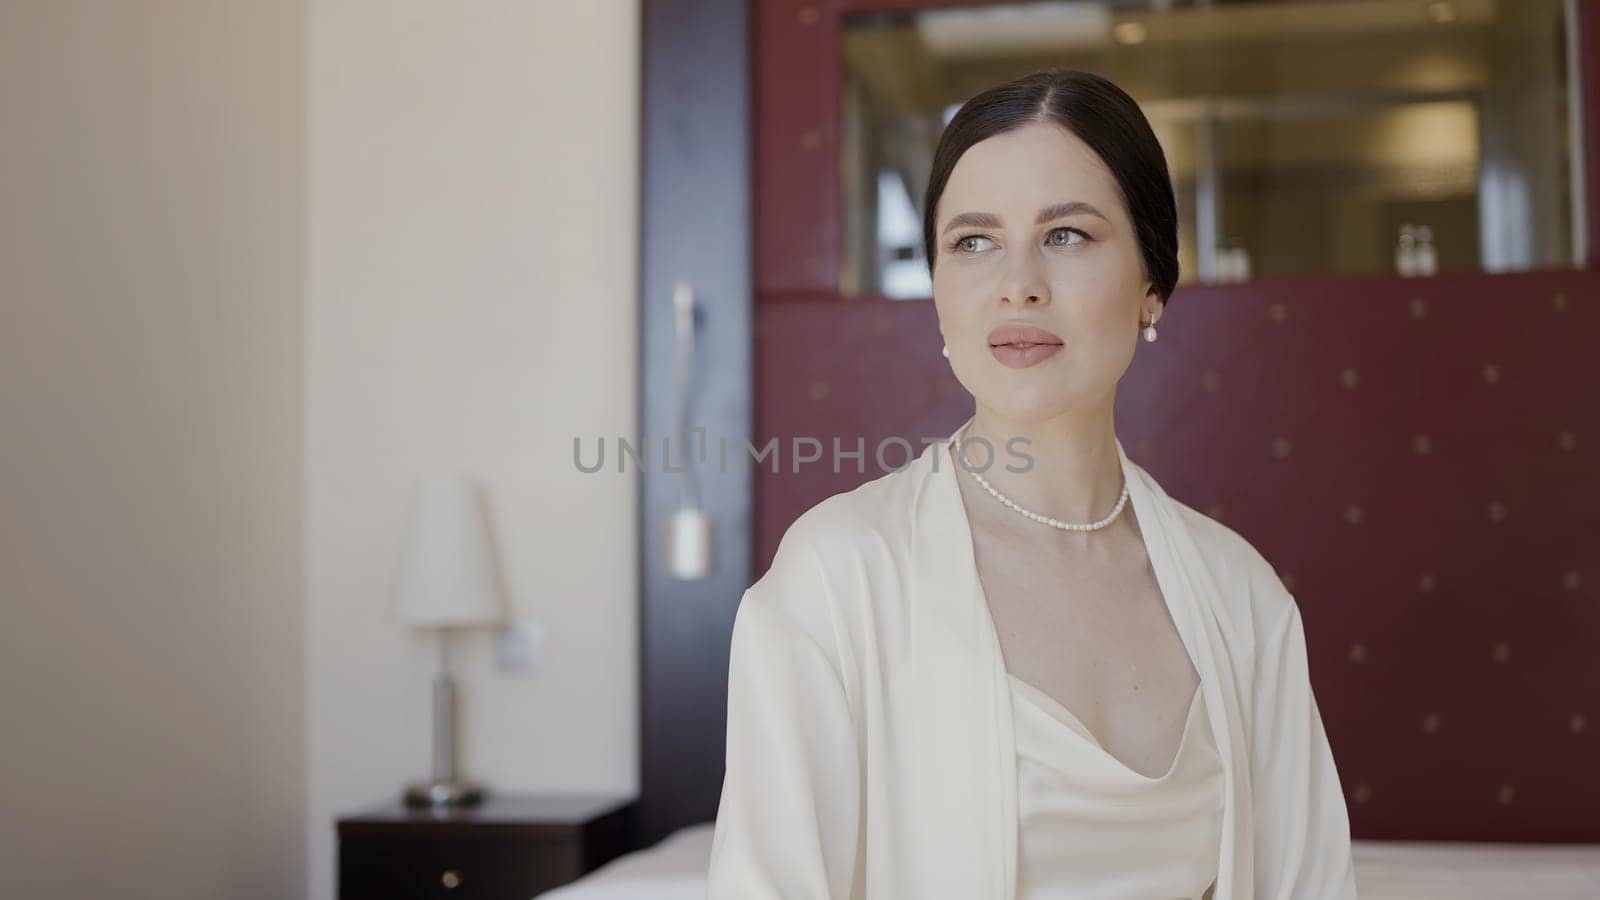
(824, 571)
(873, 517)
(829, 546)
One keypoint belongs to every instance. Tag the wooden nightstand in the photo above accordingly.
(510, 847)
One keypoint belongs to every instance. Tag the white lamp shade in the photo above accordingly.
(448, 574)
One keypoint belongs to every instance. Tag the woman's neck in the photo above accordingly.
(1072, 470)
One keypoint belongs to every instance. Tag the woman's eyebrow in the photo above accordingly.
(1048, 214)
(1062, 210)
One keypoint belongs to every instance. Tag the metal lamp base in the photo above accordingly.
(443, 793)
(444, 788)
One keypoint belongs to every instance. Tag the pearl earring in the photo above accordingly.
(1150, 332)
(946, 351)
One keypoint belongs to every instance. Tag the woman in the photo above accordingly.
(1044, 678)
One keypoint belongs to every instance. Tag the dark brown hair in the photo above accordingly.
(1103, 116)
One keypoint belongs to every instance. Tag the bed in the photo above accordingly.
(674, 869)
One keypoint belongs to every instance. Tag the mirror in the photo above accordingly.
(1303, 138)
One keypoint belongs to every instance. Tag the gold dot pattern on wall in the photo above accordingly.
(1570, 580)
(1288, 580)
(1363, 792)
(1427, 582)
(1497, 512)
(1501, 653)
(1214, 511)
(1358, 653)
(819, 390)
(1418, 307)
(1576, 723)
(1211, 381)
(1278, 313)
(1422, 445)
(811, 140)
(1567, 440)
(1506, 793)
(1353, 514)
(1281, 447)
(1350, 378)
(1430, 723)
(882, 323)
(945, 386)
(1559, 301)
(809, 15)
(1491, 373)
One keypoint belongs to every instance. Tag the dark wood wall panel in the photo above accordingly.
(696, 127)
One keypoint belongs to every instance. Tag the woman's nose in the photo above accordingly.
(1025, 285)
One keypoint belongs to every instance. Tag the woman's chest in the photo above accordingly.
(1099, 640)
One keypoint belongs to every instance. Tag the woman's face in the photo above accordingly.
(1031, 229)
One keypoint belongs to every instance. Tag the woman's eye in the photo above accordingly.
(969, 244)
(1063, 232)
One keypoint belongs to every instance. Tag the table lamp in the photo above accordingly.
(448, 580)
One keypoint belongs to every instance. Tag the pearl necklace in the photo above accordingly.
(1048, 520)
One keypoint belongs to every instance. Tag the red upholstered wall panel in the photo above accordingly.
(1418, 459)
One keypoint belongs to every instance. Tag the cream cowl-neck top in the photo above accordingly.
(1092, 828)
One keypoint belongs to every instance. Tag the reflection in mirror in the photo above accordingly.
(1303, 138)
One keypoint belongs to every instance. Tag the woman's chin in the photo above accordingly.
(1028, 404)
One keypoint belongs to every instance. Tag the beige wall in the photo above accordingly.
(152, 231)
(262, 268)
(472, 306)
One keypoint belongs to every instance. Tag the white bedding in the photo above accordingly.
(1436, 870)
(675, 869)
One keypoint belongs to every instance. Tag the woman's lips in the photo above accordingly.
(1018, 346)
(1021, 355)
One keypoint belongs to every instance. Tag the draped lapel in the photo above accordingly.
(963, 758)
(964, 753)
(1193, 589)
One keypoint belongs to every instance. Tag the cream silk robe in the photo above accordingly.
(870, 744)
